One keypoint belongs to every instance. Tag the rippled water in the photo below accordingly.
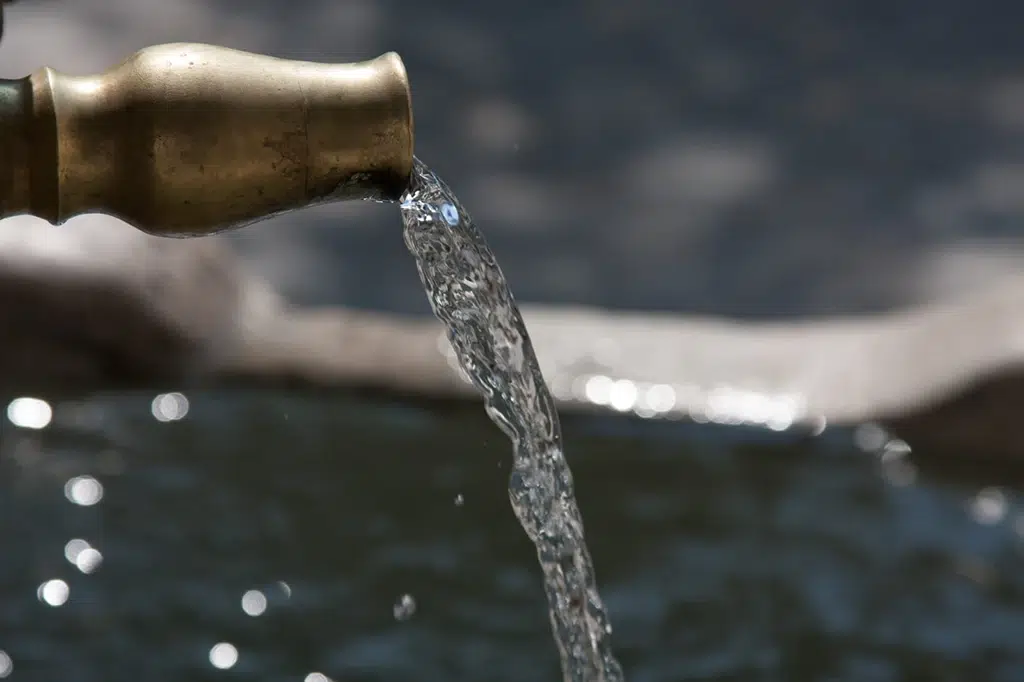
(271, 536)
(469, 294)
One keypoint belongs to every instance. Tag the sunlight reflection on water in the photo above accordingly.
(29, 413)
(254, 603)
(54, 592)
(730, 405)
(85, 491)
(170, 407)
(223, 655)
(988, 507)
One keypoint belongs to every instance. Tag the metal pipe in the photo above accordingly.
(188, 139)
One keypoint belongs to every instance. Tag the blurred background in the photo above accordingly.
(736, 157)
(743, 158)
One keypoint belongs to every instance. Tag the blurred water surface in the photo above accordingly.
(279, 536)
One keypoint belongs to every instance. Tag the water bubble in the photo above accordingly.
(989, 506)
(254, 603)
(54, 592)
(450, 214)
(895, 448)
(598, 389)
(285, 588)
(779, 422)
(83, 490)
(223, 655)
(459, 500)
(74, 548)
(870, 437)
(6, 664)
(88, 560)
(169, 407)
(661, 398)
(29, 413)
(317, 677)
(405, 608)
(623, 395)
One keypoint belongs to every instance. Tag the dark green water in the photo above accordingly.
(724, 555)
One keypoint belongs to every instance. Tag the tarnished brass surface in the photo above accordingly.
(188, 139)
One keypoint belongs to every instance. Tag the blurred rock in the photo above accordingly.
(95, 305)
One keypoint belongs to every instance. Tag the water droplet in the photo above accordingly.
(223, 655)
(459, 500)
(54, 592)
(895, 448)
(88, 560)
(870, 437)
(451, 214)
(74, 548)
(6, 664)
(623, 395)
(989, 506)
(661, 398)
(598, 389)
(169, 407)
(317, 677)
(405, 608)
(30, 413)
(83, 490)
(254, 603)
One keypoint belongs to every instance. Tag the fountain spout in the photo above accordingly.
(189, 139)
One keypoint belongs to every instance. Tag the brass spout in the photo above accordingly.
(187, 140)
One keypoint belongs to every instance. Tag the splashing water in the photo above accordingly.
(468, 293)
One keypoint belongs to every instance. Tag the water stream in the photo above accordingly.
(469, 294)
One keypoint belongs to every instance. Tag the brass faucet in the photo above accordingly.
(188, 139)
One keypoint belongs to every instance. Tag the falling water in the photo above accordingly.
(468, 293)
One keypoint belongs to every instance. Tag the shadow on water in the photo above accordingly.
(721, 554)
